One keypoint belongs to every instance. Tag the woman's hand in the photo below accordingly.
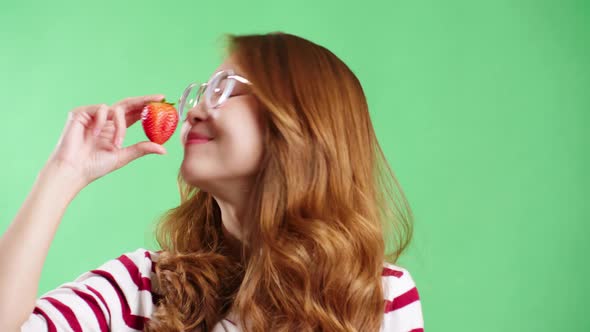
(90, 144)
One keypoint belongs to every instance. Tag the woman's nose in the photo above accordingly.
(197, 114)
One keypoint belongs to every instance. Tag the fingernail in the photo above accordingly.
(119, 142)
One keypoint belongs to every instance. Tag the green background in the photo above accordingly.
(482, 108)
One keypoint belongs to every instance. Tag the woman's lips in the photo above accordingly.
(197, 141)
(196, 138)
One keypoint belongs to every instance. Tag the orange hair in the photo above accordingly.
(325, 204)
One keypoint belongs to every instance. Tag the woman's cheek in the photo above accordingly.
(184, 132)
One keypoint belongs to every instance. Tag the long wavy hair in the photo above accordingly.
(326, 206)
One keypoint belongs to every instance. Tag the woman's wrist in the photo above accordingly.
(62, 177)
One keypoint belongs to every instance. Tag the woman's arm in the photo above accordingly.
(89, 148)
(24, 245)
(116, 296)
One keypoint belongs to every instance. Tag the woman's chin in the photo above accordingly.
(194, 174)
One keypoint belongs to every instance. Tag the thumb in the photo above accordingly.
(140, 149)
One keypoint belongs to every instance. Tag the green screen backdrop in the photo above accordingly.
(482, 108)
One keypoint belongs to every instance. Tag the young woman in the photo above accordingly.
(287, 203)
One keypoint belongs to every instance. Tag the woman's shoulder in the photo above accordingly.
(140, 257)
(398, 281)
(402, 300)
(137, 264)
(142, 252)
(115, 296)
(140, 265)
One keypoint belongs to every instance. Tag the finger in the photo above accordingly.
(107, 145)
(100, 118)
(120, 126)
(84, 115)
(137, 150)
(135, 104)
(132, 117)
(89, 109)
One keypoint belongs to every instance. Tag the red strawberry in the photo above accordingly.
(159, 120)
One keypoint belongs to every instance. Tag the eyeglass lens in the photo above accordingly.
(215, 92)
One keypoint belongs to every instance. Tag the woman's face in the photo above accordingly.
(232, 155)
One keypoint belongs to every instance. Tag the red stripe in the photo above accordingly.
(147, 254)
(142, 283)
(66, 312)
(100, 298)
(133, 321)
(93, 304)
(50, 326)
(387, 272)
(417, 330)
(402, 300)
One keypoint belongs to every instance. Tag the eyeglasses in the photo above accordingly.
(216, 91)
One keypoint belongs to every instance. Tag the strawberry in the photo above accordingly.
(159, 121)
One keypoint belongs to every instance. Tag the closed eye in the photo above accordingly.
(237, 95)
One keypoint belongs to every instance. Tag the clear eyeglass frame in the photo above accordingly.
(216, 91)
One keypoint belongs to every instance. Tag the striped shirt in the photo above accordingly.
(117, 296)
